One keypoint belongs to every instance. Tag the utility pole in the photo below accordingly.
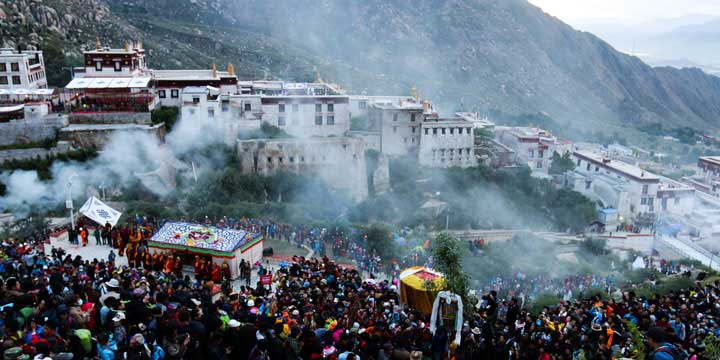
(69, 202)
(102, 191)
(447, 219)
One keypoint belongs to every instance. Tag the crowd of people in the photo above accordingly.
(60, 307)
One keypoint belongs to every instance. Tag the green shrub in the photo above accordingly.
(165, 114)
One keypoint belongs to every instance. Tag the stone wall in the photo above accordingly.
(339, 161)
(30, 131)
(23, 154)
(111, 118)
(96, 136)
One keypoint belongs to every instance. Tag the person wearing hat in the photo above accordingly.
(111, 288)
(137, 350)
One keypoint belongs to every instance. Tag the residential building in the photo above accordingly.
(629, 189)
(675, 198)
(533, 146)
(707, 177)
(22, 69)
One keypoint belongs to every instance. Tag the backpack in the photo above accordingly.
(672, 351)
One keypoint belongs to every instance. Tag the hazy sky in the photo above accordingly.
(575, 12)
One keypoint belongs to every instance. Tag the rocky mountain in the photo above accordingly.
(470, 54)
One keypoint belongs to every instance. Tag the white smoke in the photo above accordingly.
(125, 156)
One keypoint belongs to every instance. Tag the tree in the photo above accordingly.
(379, 240)
(447, 255)
(712, 347)
(165, 114)
(483, 133)
(561, 163)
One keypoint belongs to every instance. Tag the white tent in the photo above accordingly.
(639, 263)
(100, 212)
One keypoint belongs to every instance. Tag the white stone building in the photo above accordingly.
(22, 70)
(707, 178)
(339, 161)
(533, 146)
(307, 115)
(207, 104)
(675, 198)
(446, 143)
(398, 122)
(627, 188)
(360, 104)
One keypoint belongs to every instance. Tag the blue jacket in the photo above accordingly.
(665, 351)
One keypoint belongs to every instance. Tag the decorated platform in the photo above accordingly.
(221, 244)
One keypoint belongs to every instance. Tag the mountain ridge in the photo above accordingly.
(469, 54)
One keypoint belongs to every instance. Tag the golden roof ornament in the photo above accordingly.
(214, 71)
(231, 69)
(318, 79)
(414, 93)
(127, 46)
(98, 44)
(139, 45)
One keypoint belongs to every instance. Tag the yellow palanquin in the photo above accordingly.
(419, 286)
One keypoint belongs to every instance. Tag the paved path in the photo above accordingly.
(92, 251)
(89, 252)
(688, 249)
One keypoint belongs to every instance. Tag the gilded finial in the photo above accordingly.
(98, 44)
(214, 71)
(231, 69)
(318, 79)
(127, 46)
(139, 46)
(414, 93)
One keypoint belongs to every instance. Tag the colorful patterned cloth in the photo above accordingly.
(201, 237)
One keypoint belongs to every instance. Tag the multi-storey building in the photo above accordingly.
(707, 178)
(169, 84)
(303, 110)
(533, 146)
(447, 142)
(398, 122)
(627, 188)
(339, 161)
(113, 86)
(22, 69)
